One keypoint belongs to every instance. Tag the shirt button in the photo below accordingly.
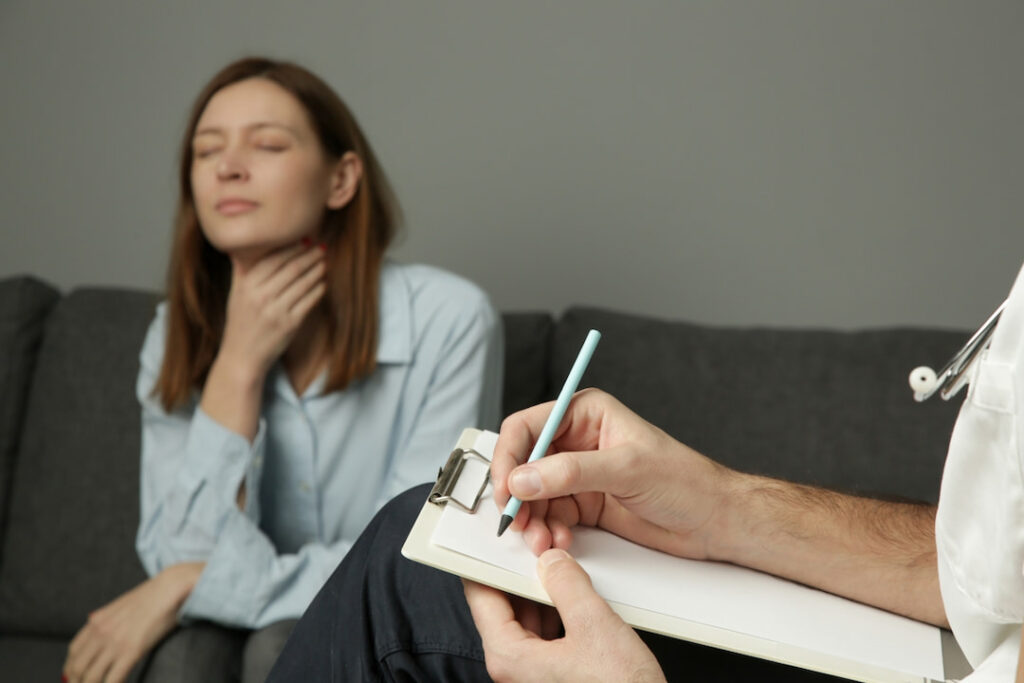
(305, 487)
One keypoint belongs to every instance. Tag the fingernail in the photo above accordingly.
(306, 241)
(525, 481)
(549, 557)
(323, 247)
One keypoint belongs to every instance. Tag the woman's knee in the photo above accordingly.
(262, 649)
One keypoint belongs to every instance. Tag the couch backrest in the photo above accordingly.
(69, 546)
(527, 347)
(75, 503)
(24, 305)
(827, 408)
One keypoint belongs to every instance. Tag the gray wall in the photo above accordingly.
(800, 162)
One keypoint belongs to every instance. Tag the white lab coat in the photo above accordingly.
(980, 526)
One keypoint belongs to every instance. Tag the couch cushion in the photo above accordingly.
(527, 341)
(32, 659)
(821, 407)
(24, 305)
(74, 506)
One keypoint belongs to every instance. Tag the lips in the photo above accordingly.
(233, 206)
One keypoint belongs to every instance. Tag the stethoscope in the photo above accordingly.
(954, 374)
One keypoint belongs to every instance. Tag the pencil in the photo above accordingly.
(555, 418)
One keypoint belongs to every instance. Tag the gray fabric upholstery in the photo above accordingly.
(828, 408)
(24, 304)
(69, 546)
(527, 338)
(822, 407)
(31, 658)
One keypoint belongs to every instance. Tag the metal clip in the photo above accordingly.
(448, 476)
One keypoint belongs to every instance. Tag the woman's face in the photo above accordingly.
(260, 179)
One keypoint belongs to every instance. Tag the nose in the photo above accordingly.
(231, 166)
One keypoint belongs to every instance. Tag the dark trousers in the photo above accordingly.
(381, 617)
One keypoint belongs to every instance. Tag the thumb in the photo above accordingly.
(562, 474)
(572, 593)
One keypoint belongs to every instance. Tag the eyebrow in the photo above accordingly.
(259, 125)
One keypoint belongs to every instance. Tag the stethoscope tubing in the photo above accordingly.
(953, 376)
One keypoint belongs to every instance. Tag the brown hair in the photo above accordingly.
(199, 276)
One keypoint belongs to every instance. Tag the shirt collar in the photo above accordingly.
(394, 334)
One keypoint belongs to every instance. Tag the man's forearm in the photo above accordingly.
(876, 552)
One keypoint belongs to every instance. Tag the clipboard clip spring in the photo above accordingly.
(448, 476)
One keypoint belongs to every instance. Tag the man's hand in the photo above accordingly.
(612, 470)
(597, 645)
(119, 634)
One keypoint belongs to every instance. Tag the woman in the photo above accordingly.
(292, 382)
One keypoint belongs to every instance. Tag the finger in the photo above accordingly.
(534, 510)
(563, 514)
(297, 291)
(515, 441)
(303, 306)
(120, 669)
(493, 615)
(572, 593)
(537, 535)
(611, 470)
(83, 650)
(579, 429)
(97, 671)
(278, 282)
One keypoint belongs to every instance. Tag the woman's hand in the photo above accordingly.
(268, 301)
(611, 469)
(120, 633)
(597, 645)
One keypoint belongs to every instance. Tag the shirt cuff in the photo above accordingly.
(220, 458)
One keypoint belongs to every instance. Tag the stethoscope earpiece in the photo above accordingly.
(923, 379)
(954, 375)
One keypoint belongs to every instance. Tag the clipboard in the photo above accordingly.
(463, 483)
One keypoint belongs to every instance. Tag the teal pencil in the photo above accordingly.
(555, 418)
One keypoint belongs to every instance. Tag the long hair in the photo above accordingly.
(356, 237)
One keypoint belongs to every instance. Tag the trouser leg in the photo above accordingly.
(198, 653)
(381, 617)
(262, 649)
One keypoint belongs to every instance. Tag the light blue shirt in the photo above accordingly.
(323, 464)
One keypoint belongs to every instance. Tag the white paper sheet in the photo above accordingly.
(720, 595)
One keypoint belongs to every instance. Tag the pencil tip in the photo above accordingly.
(503, 524)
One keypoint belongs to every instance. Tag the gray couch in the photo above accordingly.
(817, 406)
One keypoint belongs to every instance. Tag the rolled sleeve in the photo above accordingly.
(247, 584)
(191, 471)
